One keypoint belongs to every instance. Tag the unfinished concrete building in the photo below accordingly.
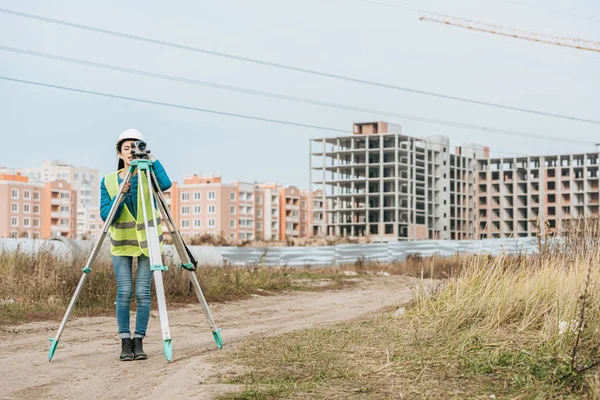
(512, 193)
(389, 186)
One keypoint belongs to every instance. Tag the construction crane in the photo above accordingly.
(581, 44)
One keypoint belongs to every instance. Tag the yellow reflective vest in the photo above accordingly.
(128, 233)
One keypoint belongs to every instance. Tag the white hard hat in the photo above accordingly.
(130, 134)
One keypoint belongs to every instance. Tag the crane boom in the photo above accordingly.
(581, 44)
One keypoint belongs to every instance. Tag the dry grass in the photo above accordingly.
(507, 326)
(42, 284)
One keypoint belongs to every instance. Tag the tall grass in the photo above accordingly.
(41, 284)
(534, 320)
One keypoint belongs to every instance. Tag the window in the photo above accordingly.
(211, 209)
(185, 196)
(232, 223)
(303, 203)
(64, 208)
(64, 195)
(197, 223)
(259, 226)
(36, 223)
(14, 221)
(26, 208)
(93, 217)
(26, 222)
(185, 223)
(93, 227)
(242, 222)
(232, 235)
(36, 209)
(15, 193)
(211, 223)
(303, 216)
(36, 235)
(197, 209)
(14, 207)
(26, 194)
(36, 195)
(76, 176)
(258, 199)
(211, 195)
(14, 234)
(64, 222)
(232, 210)
(185, 210)
(259, 213)
(197, 195)
(232, 196)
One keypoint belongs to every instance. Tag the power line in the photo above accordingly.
(291, 67)
(160, 103)
(292, 98)
(189, 108)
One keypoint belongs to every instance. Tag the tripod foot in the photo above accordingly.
(168, 349)
(218, 338)
(52, 348)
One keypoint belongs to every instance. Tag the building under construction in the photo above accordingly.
(380, 183)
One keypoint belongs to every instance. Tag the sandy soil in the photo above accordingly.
(86, 363)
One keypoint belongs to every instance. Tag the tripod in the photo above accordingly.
(147, 180)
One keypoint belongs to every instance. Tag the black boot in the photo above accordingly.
(126, 349)
(138, 350)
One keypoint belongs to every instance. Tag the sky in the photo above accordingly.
(377, 40)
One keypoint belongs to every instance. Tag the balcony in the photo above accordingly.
(55, 201)
(291, 232)
(291, 207)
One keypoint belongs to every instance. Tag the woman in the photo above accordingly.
(125, 241)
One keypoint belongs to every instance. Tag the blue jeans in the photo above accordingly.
(143, 281)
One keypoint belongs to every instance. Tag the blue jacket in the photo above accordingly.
(130, 202)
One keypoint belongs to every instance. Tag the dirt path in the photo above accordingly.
(86, 363)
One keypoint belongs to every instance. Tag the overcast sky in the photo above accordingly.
(348, 37)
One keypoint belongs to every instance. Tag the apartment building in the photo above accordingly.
(36, 210)
(86, 181)
(246, 211)
(91, 223)
(512, 193)
(380, 183)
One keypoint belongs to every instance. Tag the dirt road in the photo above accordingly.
(86, 363)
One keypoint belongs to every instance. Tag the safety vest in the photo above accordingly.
(128, 234)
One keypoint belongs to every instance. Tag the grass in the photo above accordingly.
(507, 327)
(42, 283)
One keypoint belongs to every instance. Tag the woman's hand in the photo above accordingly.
(125, 189)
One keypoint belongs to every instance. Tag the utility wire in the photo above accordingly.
(291, 67)
(292, 98)
(160, 103)
(189, 108)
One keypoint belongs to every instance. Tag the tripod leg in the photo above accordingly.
(186, 263)
(156, 264)
(87, 269)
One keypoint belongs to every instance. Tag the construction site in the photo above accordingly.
(345, 199)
